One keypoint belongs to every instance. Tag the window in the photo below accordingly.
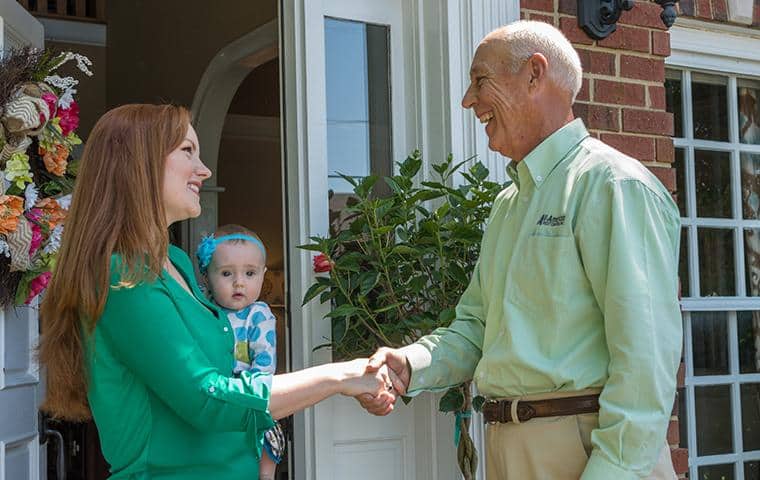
(717, 161)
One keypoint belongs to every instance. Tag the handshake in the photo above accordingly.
(377, 382)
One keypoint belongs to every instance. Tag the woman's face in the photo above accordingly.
(183, 176)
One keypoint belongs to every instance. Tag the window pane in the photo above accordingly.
(681, 186)
(716, 262)
(752, 261)
(683, 263)
(750, 164)
(709, 333)
(717, 472)
(750, 393)
(752, 471)
(712, 172)
(673, 99)
(748, 92)
(709, 97)
(357, 67)
(713, 422)
(748, 333)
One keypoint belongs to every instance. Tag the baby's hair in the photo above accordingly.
(207, 246)
(233, 228)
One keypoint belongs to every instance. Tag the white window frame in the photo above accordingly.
(727, 51)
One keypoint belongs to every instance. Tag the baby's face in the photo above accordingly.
(236, 273)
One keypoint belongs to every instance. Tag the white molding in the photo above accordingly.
(18, 27)
(724, 50)
(468, 23)
(71, 31)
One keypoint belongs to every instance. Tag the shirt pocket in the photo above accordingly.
(546, 274)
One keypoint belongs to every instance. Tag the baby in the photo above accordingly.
(233, 263)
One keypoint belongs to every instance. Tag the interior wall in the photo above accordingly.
(249, 169)
(158, 50)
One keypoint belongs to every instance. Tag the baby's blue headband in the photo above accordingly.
(208, 245)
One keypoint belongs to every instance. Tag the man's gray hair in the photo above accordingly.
(525, 37)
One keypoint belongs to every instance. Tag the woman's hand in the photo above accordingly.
(356, 379)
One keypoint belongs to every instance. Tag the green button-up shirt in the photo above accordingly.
(161, 390)
(576, 287)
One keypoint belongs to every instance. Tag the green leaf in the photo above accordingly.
(404, 250)
(478, 402)
(388, 307)
(367, 281)
(313, 291)
(479, 171)
(312, 247)
(343, 311)
(452, 401)
(446, 316)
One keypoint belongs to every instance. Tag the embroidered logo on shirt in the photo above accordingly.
(551, 221)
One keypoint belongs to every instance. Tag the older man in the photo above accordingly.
(570, 325)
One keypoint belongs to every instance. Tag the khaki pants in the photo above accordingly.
(551, 448)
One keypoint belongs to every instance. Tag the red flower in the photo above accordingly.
(322, 263)
(69, 118)
(37, 285)
(52, 103)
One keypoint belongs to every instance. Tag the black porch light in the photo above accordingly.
(598, 18)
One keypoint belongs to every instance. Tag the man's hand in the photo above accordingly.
(399, 374)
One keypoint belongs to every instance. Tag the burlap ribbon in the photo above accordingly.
(19, 242)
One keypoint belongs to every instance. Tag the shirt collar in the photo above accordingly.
(540, 162)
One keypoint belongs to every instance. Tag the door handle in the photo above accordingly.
(47, 433)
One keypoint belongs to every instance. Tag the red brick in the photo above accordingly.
(719, 10)
(583, 94)
(661, 44)
(640, 148)
(574, 33)
(756, 14)
(544, 5)
(523, 15)
(644, 14)
(640, 68)
(592, 61)
(542, 18)
(628, 38)
(666, 175)
(680, 457)
(620, 93)
(598, 117)
(673, 433)
(647, 121)
(569, 7)
(703, 9)
(681, 376)
(657, 97)
(665, 151)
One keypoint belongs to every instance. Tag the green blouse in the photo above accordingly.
(159, 366)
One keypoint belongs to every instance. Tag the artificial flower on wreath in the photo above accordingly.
(38, 121)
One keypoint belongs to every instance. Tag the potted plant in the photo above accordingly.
(395, 265)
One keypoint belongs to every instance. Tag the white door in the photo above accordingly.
(350, 105)
(21, 457)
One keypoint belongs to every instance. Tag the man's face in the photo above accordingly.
(498, 98)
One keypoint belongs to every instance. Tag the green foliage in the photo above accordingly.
(400, 262)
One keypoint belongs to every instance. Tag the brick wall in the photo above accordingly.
(622, 100)
(713, 10)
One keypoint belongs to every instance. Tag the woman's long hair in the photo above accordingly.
(117, 207)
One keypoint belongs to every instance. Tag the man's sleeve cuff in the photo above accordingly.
(599, 468)
(419, 359)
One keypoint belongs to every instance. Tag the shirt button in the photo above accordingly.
(539, 178)
(211, 389)
(422, 380)
(226, 329)
(482, 375)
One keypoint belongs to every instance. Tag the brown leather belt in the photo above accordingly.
(502, 411)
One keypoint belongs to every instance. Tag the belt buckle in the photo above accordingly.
(494, 404)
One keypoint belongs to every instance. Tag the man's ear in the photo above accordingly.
(537, 67)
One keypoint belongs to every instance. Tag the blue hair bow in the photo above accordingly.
(208, 244)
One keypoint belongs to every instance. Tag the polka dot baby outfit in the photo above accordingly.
(255, 339)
